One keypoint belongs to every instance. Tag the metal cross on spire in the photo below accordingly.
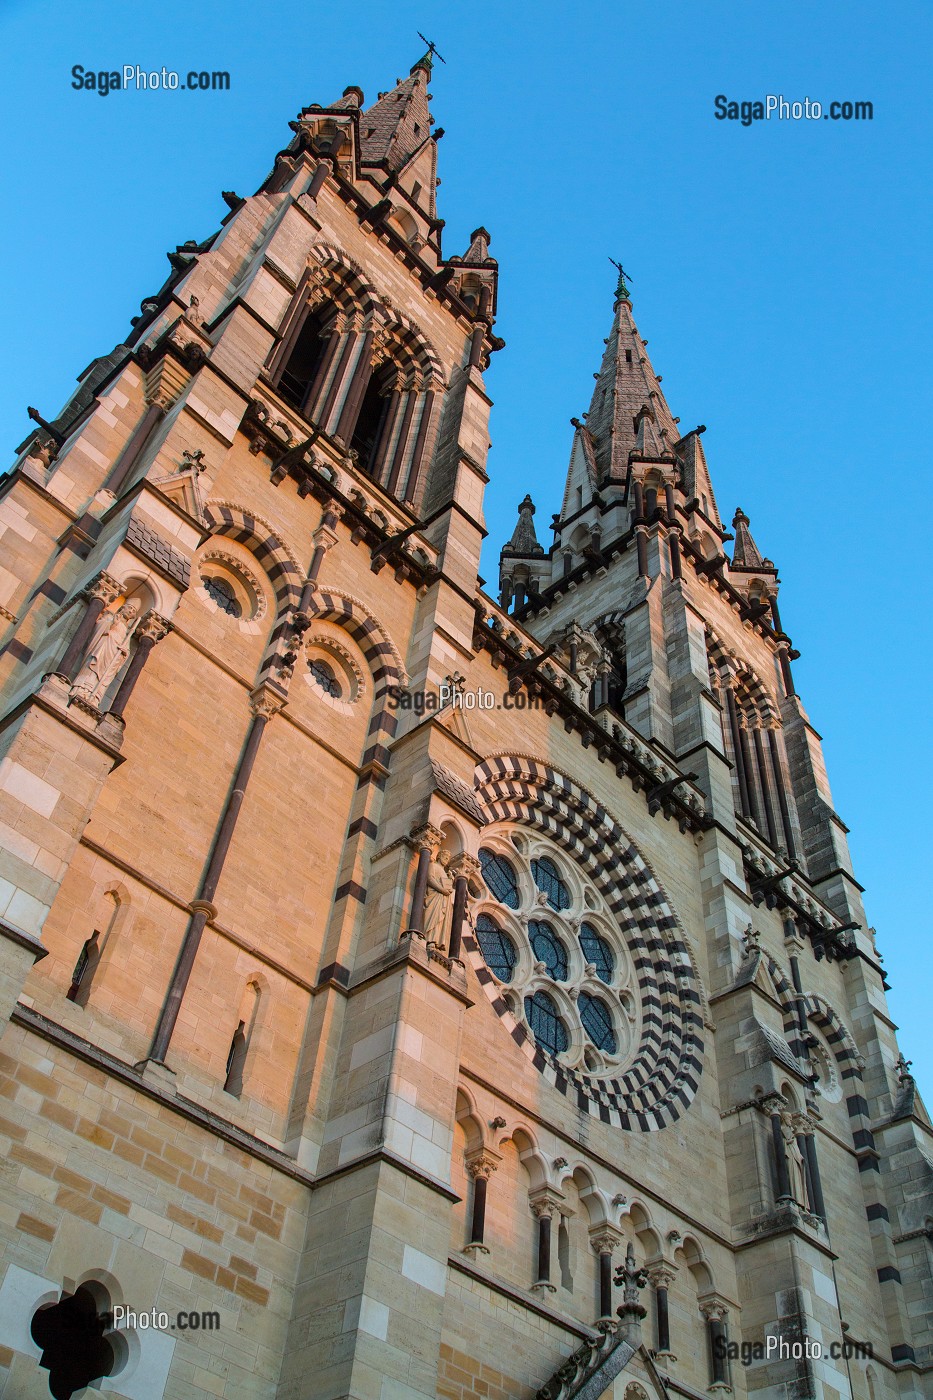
(622, 292)
(432, 52)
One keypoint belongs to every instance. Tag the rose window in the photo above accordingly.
(549, 937)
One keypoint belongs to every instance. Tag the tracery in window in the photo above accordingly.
(546, 1025)
(498, 949)
(597, 1022)
(323, 673)
(500, 877)
(548, 949)
(547, 878)
(597, 952)
(547, 933)
(221, 590)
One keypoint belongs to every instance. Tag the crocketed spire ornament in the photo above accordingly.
(630, 1279)
(524, 538)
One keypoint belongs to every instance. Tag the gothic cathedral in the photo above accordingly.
(404, 993)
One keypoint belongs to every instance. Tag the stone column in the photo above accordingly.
(604, 1241)
(359, 382)
(426, 840)
(730, 684)
(661, 1276)
(101, 590)
(544, 1204)
(346, 340)
(782, 782)
(716, 1314)
(774, 1105)
(466, 870)
(417, 456)
(480, 1167)
(398, 456)
(323, 370)
(264, 703)
(764, 781)
(805, 1130)
(395, 400)
(151, 630)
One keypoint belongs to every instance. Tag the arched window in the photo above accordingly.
(500, 876)
(548, 879)
(548, 949)
(597, 1022)
(372, 420)
(498, 949)
(597, 951)
(300, 368)
(240, 1040)
(84, 970)
(546, 1025)
(221, 590)
(325, 676)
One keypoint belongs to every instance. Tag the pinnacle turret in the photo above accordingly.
(746, 554)
(524, 538)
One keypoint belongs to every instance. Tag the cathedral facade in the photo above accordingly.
(406, 993)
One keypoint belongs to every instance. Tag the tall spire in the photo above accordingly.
(399, 123)
(628, 411)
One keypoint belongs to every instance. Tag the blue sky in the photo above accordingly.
(779, 272)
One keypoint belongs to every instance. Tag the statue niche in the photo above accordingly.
(437, 906)
(107, 653)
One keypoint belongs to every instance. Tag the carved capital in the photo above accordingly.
(265, 702)
(714, 1309)
(324, 537)
(662, 1274)
(482, 1163)
(604, 1239)
(545, 1202)
(469, 867)
(772, 1103)
(426, 837)
(153, 627)
(103, 586)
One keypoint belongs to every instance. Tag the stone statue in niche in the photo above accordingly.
(437, 906)
(107, 652)
(790, 1126)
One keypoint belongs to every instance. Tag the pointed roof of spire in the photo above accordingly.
(524, 538)
(399, 122)
(746, 554)
(626, 387)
